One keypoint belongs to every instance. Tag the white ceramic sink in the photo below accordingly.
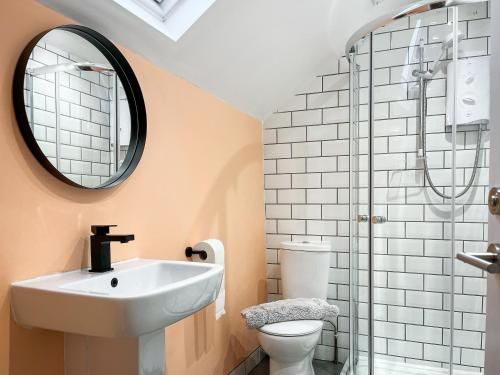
(149, 295)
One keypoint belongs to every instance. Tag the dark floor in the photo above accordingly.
(320, 368)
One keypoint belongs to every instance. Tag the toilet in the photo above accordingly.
(304, 274)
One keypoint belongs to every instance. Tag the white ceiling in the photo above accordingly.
(253, 54)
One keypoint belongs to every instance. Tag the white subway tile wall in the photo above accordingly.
(307, 196)
(84, 118)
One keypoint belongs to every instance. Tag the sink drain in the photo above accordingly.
(114, 282)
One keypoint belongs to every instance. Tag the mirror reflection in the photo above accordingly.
(77, 108)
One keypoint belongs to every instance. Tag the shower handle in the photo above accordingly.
(379, 219)
(363, 218)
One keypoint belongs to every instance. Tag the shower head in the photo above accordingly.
(447, 44)
(93, 67)
(83, 66)
(449, 40)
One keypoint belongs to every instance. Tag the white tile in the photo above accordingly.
(90, 155)
(401, 246)
(322, 227)
(283, 181)
(100, 169)
(390, 229)
(475, 286)
(292, 196)
(472, 357)
(472, 304)
(479, 28)
(388, 296)
(80, 167)
(335, 115)
(431, 335)
(336, 212)
(310, 117)
(291, 165)
(277, 151)
(69, 95)
(278, 211)
(389, 58)
(389, 330)
(278, 120)
(291, 226)
(424, 230)
(405, 212)
(288, 135)
(392, 127)
(325, 196)
(322, 164)
(336, 82)
(306, 211)
(99, 117)
(269, 136)
(424, 299)
(296, 103)
(405, 281)
(405, 348)
(269, 166)
(306, 149)
(340, 147)
(389, 263)
(306, 180)
(437, 283)
(389, 162)
(474, 322)
(322, 100)
(335, 180)
(424, 265)
(399, 314)
(70, 152)
(100, 143)
(80, 140)
(79, 84)
(322, 132)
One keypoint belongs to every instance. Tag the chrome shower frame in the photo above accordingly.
(75, 67)
(366, 31)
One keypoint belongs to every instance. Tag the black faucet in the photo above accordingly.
(100, 249)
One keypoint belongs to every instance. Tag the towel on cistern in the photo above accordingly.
(289, 309)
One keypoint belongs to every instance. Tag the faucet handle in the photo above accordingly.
(101, 229)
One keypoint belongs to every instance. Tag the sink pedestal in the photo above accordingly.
(89, 355)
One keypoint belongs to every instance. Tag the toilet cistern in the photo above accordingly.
(100, 247)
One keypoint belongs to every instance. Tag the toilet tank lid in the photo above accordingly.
(313, 246)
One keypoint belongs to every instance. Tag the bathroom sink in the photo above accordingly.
(138, 297)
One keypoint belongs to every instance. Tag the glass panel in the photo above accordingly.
(411, 246)
(360, 322)
(468, 74)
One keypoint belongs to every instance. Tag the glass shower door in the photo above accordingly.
(360, 343)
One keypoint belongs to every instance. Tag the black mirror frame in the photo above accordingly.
(130, 85)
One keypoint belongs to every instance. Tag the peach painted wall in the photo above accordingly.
(200, 176)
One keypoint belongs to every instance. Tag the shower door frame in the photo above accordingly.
(367, 32)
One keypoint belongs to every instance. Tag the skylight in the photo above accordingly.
(171, 17)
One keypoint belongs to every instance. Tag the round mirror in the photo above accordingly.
(79, 107)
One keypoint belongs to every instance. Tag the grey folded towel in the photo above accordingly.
(290, 309)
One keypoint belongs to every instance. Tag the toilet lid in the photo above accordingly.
(292, 328)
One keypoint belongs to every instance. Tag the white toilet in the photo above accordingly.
(304, 274)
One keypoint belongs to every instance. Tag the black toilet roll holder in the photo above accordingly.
(201, 253)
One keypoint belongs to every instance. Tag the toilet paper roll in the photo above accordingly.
(215, 254)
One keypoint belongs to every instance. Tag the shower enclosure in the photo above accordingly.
(78, 113)
(419, 149)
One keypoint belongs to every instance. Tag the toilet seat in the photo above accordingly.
(292, 328)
